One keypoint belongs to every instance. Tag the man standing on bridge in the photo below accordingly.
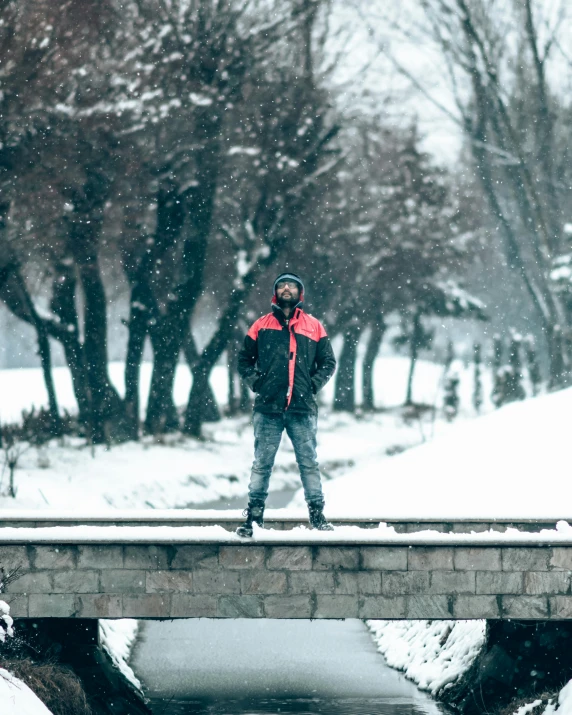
(286, 359)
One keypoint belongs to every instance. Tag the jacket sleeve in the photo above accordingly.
(247, 358)
(325, 364)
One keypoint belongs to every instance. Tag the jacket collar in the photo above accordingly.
(279, 313)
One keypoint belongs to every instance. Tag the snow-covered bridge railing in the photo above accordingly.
(274, 518)
(185, 572)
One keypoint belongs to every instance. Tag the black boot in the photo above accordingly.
(254, 513)
(317, 518)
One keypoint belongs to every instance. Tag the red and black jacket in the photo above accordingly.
(286, 361)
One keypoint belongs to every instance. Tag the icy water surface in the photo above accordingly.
(265, 667)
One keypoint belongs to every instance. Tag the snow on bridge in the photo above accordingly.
(450, 570)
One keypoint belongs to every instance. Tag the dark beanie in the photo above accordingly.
(291, 277)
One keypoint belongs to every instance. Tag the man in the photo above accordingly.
(286, 359)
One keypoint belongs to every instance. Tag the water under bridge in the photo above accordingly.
(182, 564)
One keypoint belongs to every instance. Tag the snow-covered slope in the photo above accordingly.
(510, 463)
(16, 698)
(433, 654)
(118, 638)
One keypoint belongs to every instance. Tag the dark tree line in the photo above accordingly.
(189, 147)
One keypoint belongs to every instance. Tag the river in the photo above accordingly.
(264, 667)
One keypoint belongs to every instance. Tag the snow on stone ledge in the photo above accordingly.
(16, 698)
(118, 637)
(345, 535)
(433, 654)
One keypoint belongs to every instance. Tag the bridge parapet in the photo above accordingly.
(114, 573)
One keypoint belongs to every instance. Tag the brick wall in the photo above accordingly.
(288, 581)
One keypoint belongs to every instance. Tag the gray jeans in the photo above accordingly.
(301, 428)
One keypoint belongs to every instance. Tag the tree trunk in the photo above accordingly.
(202, 406)
(108, 415)
(344, 390)
(231, 375)
(133, 360)
(45, 353)
(161, 410)
(373, 345)
(416, 337)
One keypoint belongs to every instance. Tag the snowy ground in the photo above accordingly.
(182, 471)
(16, 698)
(510, 463)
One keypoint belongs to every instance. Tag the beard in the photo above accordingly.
(288, 302)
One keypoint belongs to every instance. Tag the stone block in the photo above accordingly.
(561, 558)
(537, 582)
(336, 607)
(525, 607)
(561, 607)
(239, 607)
(100, 557)
(187, 606)
(430, 558)
(452, 582)
(241, 557)
(216, 582)
(480, 558)
(400, 583)
(122, 581)
(14, 557)
(263, 582)
(468, 527)
(501, 582)
(54, 557)
(288, 606)
(147, 605)
(31, 582)
(18, 603)
(527, 558)
(146, 557)
(75, 582)
(382, 607)
(311, 582)
(357, 583)
(195, 556)
(169, 581)
(99, 605)
(289, 558)
(428, 607)
(476, 607)
(337, 557)
(53, 605)
(384, 558)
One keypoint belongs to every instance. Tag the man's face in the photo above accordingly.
(287, 293)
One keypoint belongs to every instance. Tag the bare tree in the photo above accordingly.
(504, 62)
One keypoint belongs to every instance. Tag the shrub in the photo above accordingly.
(56, 686)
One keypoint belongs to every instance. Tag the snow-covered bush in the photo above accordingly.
(6, 622)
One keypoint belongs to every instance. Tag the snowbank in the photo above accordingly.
(433, 654)
(515, 461)
(16, 698)
(118, 638)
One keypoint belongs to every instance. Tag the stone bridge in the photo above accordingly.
(141, 567)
